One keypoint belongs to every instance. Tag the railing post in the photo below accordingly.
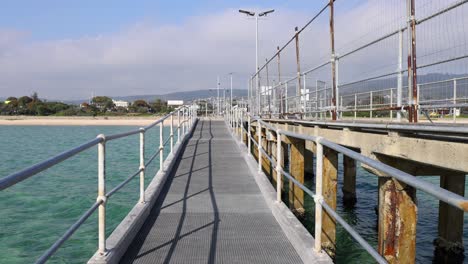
(355, 106)
(454, 100)
(400, 74)
(102, 195)
(183, 121)
(279, 175)
(286, 106)
(249, 141)
(412, 68)
(161, 146)
(371, 103)
(178, 126)
(142, 165)
(318, 197)
(391, 104)
(333, 59)
(241, 126)
(172, 132)
(259, 145)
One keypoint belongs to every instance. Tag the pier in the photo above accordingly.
(236, 178)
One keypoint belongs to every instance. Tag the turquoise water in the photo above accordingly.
(35, 212)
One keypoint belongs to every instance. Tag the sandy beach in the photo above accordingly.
(79, 121)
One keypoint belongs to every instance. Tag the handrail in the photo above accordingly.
(188, 118)
(441, 194)
(24, 174)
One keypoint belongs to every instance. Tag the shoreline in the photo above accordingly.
(80, 120)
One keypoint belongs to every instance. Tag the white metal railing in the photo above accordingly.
(282, 100)
(186, 116)
(315, 100)
(235, 121)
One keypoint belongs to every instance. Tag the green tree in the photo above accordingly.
(24, 101)
(103, 103)
(159, 106)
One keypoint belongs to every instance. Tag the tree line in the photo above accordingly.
(99, 105)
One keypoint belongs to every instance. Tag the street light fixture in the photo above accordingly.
(262, 14)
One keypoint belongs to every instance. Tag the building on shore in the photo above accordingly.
(175, 102)
(120, 103)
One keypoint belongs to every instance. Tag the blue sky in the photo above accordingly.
(72, 49)
(56, 19)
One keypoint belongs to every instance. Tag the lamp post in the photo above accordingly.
(262, 14)
(217, 89)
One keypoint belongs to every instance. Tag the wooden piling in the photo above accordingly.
(296, 168)
(349, 181)
(266, 166)
(397, 221)
(449, 244)
(329, 189)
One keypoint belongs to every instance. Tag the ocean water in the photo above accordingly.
(37, 211)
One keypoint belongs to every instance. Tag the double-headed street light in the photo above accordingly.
(262, 14)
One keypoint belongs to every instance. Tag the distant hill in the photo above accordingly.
(186, 96)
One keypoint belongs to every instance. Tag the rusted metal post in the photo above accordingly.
(412, 67)
(296, 169)
(449, 244)
(280, 94)
(102, 195)
(349, 185)
(333, 57)
(142, 165)
(397, 221)
(330, 179)
(299, 83)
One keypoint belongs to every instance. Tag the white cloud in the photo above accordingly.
(147, 58)
(141, 59)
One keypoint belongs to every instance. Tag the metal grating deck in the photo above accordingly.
(211, 210)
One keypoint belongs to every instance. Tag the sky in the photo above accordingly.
(72, 49)
(66, 50)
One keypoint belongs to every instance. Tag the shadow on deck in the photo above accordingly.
(211, 210)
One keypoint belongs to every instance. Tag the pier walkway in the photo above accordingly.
(211, 210)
